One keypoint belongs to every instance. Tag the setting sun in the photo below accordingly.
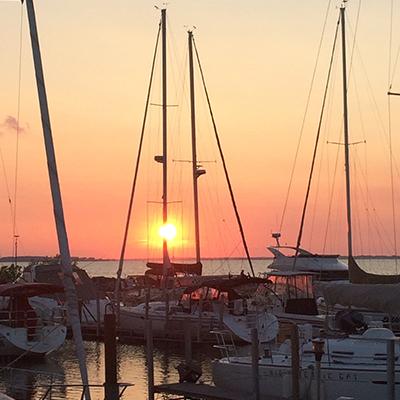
(167, 232)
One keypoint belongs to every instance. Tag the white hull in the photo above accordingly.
(133, 319)
(275, 381)
(14, 341)
(329, 266)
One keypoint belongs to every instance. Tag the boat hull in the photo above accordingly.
(14, 341)
(275, 381)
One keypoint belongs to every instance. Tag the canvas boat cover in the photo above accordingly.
(375, 297)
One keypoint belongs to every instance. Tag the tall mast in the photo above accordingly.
(164, 133)
(346, 135)
(69, 286)
(196, 173)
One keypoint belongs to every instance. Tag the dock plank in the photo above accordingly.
(196, 391)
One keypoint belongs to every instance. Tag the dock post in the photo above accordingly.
(254, 360)
(390, 370)
(221, 312)
(111, 388)
(147, 303)
(200, 317)
(294, 340)
(98, 326)
(149, 358)
(188, 343)
(166, 308)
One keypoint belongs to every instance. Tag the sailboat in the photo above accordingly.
(208, 304)
(355, 366)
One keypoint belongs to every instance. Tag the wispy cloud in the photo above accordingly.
(10, 124)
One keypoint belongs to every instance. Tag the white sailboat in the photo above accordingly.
(27, 328)
(168, 315)
(355, 367)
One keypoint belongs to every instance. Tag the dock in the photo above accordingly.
(198, 391)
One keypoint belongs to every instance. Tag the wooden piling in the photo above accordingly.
(147, 306)
(221, 312)
(149, 358)
(295, 362)
(98, 317)
(391, 370)
(111, 388)
(200, 320)
(255, 358)
(166, 308)
(188, 342)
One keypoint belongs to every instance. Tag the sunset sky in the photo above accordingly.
(258, 57)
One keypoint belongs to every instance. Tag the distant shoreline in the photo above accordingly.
(94, 259)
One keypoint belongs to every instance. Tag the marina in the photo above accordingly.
(187, 311)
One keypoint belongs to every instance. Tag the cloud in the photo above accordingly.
(10, 124)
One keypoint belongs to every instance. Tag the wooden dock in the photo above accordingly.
(198, 391)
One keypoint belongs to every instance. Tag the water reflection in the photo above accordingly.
(29, 379)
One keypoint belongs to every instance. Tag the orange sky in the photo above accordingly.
(258, 58)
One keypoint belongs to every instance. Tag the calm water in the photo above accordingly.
(61, 367)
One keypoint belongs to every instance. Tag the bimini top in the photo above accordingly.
(29, 289)
(226, 284)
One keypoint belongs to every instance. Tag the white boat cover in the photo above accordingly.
(375, 297)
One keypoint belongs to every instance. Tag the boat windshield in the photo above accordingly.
(292, 286)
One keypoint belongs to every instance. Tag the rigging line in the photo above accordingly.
(334, 177)
(390, 44)
(304, 117)
(390, 135)
(223, 161)
(303, 215)
(121, 260)
(3, 165)
(392, 180)
(354, 46)
(15, 231)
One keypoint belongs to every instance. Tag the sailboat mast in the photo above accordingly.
(164, 135)
(194, 148)
(70, 290)
(346, 135)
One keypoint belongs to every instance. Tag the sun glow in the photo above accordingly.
(167, 232)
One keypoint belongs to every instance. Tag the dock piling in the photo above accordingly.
(294, 340)
(188, 342)
(149, 358)
(391, 370)
(111, 388)
(255, 358)
(98, 318)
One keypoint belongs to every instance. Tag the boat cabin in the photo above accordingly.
(295, 289)
(15, 309)
(232, 292)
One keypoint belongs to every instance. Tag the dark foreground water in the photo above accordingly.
(29, 378)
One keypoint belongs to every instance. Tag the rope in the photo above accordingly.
(304, 117)
(122, 256)
(223, 161)
(303, 215)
